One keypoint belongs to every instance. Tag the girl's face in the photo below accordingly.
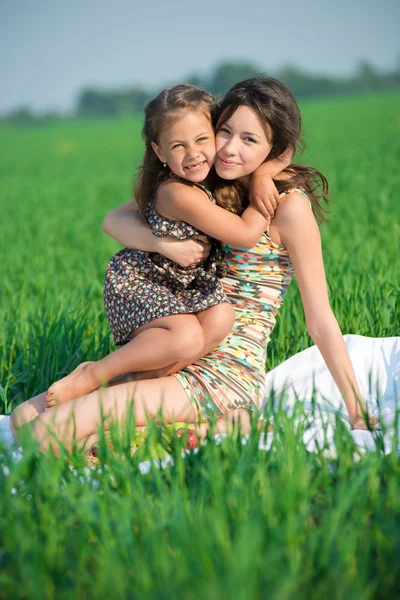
(243, 143)
(188, 146)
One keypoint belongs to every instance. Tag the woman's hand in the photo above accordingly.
(185, 252)
(263, 193)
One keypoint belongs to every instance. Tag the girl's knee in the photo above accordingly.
(219, 326)
(188, 341)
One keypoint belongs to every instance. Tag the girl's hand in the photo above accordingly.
(264, 194)
(185, 252)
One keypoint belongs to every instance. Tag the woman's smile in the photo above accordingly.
(243, 142)
(227, 163)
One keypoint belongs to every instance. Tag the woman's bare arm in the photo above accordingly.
(125, 225)
(300, 234)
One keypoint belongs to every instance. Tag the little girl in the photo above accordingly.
(162, 313)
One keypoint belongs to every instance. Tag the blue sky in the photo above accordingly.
(51, 50)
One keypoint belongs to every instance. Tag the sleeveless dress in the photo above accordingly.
(142, 286)
(233, 375)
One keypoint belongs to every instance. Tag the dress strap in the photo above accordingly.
(296, 190)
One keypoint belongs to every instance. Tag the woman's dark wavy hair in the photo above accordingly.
(274, 104)
(160, 113)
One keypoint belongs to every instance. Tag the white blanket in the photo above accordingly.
(376, 362)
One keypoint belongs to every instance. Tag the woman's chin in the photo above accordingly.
(224, 173)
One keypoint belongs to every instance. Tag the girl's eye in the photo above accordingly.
(202, 139)
(249, 139)
(176, 146)
(223, 129)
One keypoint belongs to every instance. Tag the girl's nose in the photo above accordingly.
(193, 152)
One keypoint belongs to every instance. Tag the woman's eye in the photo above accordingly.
(223, 130)
(249, 139)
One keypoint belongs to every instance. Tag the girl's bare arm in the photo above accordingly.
(125, 225)
(299, 232)
(262, 189)
(189, 204)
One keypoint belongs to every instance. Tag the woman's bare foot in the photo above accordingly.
(190, 437)
(78, 383)
(359, 422)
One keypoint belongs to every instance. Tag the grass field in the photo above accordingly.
(229, 522)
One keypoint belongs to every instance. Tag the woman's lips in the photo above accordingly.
(227, 163)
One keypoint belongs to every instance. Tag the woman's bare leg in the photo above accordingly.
(155, 345)
(82, 417)
(26, 412)
(232, 421)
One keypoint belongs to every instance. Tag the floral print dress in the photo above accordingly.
(142, 286)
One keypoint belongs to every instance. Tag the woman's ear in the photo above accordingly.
(160, 154)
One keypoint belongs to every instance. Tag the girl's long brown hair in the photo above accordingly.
(160, 113)
(274, 104)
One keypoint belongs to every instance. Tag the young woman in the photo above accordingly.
(259, 119)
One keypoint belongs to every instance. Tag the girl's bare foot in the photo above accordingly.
(78, 383)
(359, 422)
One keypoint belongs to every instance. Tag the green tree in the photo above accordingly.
(227, 74)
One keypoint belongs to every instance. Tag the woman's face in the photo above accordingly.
(242, 144)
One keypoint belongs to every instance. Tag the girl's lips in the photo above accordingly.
(227, 163)
(196, 167)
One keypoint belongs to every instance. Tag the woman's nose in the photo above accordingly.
(230, 146)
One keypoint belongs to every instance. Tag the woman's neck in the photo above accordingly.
(244, 182)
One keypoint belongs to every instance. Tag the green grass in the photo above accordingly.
(230, 521)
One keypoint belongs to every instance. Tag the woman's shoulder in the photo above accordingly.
(291, 200)
(294, 208)
(292, 211)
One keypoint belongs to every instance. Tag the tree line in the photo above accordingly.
(95, 102)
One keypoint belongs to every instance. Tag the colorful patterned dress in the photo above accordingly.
(233, 375)
(141, 286)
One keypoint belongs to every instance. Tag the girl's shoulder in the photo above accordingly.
(173, 188)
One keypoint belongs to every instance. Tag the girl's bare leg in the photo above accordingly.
(166, 345)
(216, 323)
(153, 346)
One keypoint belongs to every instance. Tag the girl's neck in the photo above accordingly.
(204, 182)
